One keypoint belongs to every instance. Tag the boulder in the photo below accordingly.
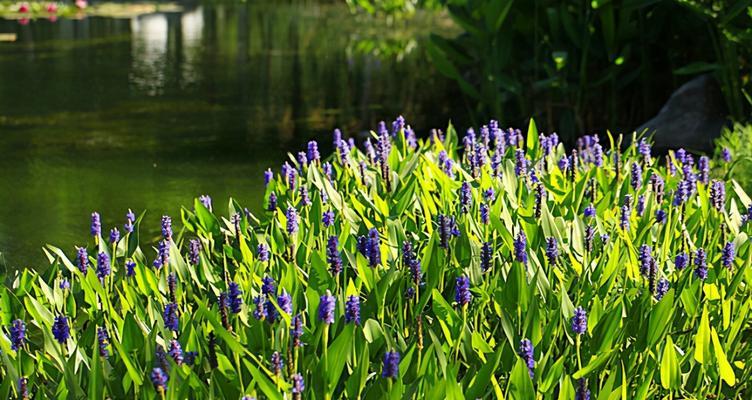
(691, 118)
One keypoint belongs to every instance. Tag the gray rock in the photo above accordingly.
(691, 118)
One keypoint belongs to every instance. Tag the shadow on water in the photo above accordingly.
(147, 113)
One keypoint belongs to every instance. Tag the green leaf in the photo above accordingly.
(724, 368)
(670, 371)
(338, 353)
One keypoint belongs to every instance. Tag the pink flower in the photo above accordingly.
(81, 4)
(23, 8)
(51, 8)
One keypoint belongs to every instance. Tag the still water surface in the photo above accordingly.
(149, 112)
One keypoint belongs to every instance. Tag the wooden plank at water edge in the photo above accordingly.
(8, 37)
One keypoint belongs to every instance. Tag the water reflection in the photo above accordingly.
(146, 113)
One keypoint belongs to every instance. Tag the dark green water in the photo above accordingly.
(147, 113)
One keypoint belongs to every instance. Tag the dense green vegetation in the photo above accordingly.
(582, 65)
(498, 266)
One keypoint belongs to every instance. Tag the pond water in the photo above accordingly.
(147, 113)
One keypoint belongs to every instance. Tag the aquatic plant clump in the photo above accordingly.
(498, 265)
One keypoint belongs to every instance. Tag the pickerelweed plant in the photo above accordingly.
(496, 266)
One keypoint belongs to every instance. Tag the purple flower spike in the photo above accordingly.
(462, 293)
(61, 329)
(96, 224)
(103, 339)
(83, 260)
(701, 265)
(579, 321)
(17, 335)
(526, 351)
(391, 364)
(352, 310)
(326, 308)
(520, 247)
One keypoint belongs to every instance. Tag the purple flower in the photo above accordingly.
(96, 224)
(352, 310)
(462, 293)
(520, 245)
(268, 176)
(284, 301)
(520, 167)
(374, 249)
(189, 357)
(17, 335)
(589, 211)
(61, 329)
(717, 194)
(552, 250)
(644, 149)
(130, 268)
(206, 201)
(234, 295)
(636, 176)
(703, 164)
(103, 266)
(313, 151)
(159, 379)
(259, 311)
(328, 218)
(277, 363)
(526, 351)
(326, 308)
(23, 389)
(582, 393)
(640, 205)
(194, 252)
(680, 261)
(563, 164)
(391, 364)
(296, 330)
(83, 260)
(114, 235)
(486, 256)
(176, 352)
(660, 216)
(170, 317)
(166, 227)
(484, 217)
(298, 385)
(344, 152)
(332, 255)
(701, 265)
(579, 321)
(130, 218)
(662, 288)
(103, 338)
(448, 168)
(624, 219)
(681, 194)
(466, 196)
(292, 221)
(304, 199)
(727, 255)
(302, 159)
(163, 254)
(646, 259)
(263, 252)
(272, 204)
(64, 284)
(328, 172)
(268, 286)
(726, 155)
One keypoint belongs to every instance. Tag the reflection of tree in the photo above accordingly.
(109, 114)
